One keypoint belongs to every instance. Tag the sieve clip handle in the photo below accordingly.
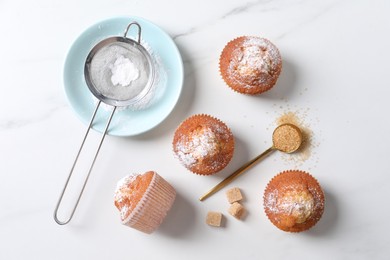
(60, 222)
(139, 31)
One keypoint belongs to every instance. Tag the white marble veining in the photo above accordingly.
(335, 57)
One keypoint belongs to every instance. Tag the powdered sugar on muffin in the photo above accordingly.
(201, 144)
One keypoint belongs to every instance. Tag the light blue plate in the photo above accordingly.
(125, 122)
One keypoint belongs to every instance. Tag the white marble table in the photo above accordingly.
(336, 62)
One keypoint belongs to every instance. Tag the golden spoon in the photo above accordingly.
(286, 138)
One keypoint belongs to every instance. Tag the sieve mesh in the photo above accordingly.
(102, 71)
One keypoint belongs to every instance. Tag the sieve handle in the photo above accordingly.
(60, 222)
(139, 31)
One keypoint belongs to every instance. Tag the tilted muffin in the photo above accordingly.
(143, 200)
(203, 144)
(294, 201)
(250, 64)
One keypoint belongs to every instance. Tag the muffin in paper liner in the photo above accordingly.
(203, 144)
(294, 201)
(147, 212)
(250, 64)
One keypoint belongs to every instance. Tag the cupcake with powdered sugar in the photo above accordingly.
(203, 144)
(294, 201)
(143, 200)
(250, 64)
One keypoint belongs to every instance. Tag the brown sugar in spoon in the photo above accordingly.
(286, 138)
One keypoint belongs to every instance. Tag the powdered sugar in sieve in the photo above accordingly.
(119, 71)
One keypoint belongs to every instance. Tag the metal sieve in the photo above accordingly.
(98, 76)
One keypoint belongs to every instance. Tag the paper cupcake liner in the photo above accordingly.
(315, 190)
(212, 121)
(241, 87)
(153, 206)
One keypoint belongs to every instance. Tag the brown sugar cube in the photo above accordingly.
(237, 210)
(234, 195)
(214, 218)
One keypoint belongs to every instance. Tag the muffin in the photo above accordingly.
(143, 200)
(294, 201)
(203, 144)
(250, 64)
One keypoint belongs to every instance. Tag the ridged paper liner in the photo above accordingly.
(313, 187)
(210, 121)
(153, 206)
(241, 87)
